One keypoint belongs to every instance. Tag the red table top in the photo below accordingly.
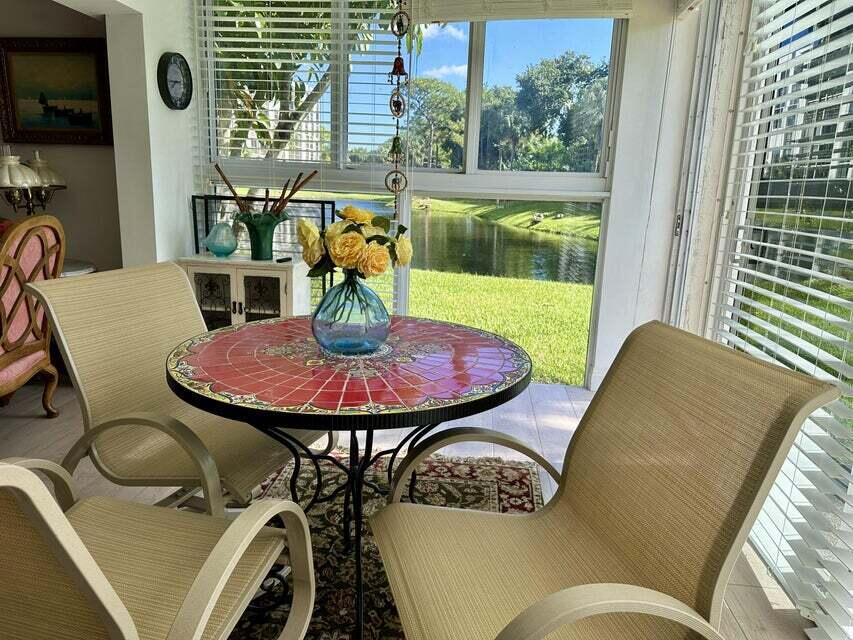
(427, 372)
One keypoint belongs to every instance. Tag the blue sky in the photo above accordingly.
(511, 46)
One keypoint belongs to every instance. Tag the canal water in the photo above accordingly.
(467, 244)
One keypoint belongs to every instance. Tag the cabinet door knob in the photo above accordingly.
(240, 308)
(234, 307)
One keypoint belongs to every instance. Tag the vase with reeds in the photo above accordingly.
(261, 224)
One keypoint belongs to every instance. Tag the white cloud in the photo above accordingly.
(436, 31)
(447, 70)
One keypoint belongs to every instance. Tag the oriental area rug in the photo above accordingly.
(484, 484)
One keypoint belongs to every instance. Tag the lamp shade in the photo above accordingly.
(13, 174)
(47, 175)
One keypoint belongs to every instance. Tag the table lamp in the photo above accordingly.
(28, 187)
(50, 181)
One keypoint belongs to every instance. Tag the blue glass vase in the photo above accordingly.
(351, 319)
(221, 240)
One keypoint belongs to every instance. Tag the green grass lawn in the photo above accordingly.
(549, 319)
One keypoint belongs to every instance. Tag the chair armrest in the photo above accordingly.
(63, 485)
(433, 443)
(214, 574)
(576, 603)
(77, 564)
(179, 432)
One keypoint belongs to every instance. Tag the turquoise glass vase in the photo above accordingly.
(351, 319)
(221, 240)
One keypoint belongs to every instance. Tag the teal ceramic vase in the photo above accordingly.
(221, 240)
(351, 319)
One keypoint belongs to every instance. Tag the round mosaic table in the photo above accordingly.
(273, 375)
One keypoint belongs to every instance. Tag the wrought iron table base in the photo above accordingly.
(360, 462)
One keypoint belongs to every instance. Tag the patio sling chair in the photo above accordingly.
(662, 482)
(115, 330)
(30, 250)
(105, 569)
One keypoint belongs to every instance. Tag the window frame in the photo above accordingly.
(468, 181)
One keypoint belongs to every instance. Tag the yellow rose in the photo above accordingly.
(374, 260)
(369, 231)
(312, 243)
(336, 229)
(354, 214)
(346, 249)
(307, 232)
(404, 251)
(313, 253)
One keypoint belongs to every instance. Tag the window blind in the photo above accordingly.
(481, 10)
(297, 81)
(783, 279)
(291, 85)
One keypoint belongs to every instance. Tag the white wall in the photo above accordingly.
(638, 235)
(89, 208)
(154, 145)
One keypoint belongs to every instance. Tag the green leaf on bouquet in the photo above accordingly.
(401, 229)
(382, 222)
(319, 269)
(322, 268)
(379, 239)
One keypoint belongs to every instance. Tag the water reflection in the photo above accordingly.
(467, 244)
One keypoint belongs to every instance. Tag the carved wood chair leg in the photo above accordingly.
(51, 381)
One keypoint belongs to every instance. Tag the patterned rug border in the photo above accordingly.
(532, 467)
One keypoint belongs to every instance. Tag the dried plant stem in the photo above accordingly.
(241, 204)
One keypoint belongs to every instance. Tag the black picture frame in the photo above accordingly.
(77, 127)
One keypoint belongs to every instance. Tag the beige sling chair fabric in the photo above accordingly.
(115, 330)
(662, 481)
(112, 569)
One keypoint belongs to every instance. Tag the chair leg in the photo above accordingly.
(51, 380)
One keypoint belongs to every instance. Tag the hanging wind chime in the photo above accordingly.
(396, 181)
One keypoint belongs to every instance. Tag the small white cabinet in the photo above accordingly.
(237, 289)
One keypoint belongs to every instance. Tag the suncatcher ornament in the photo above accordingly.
(396, 181)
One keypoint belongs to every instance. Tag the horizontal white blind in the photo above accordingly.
(269, 68)
(290, 85)
(297, 80)
(784, 281)
(481, 10)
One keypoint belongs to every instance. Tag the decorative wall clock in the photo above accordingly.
(175, 80)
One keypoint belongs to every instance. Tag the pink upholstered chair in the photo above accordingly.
(30, 250)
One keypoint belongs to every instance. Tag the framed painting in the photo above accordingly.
(54, 91)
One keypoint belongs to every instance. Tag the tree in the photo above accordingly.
(542, 153)
(549, 89)
(436, 123)
(271, 91)
(565, 97)
(502, 127)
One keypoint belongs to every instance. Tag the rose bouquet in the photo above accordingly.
(359, 242)
(351, 319)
